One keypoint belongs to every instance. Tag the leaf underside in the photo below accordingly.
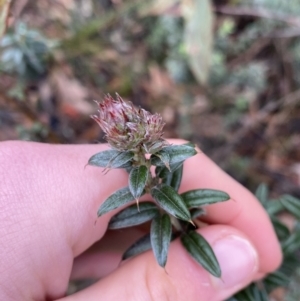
(140, 246)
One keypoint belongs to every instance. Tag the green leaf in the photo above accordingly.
(200, 197)
(137, 180)
(111, 159)
(202, 252)
(290, 264)
(274, 207)
(140, 246)
(262, 193)
(173, 179)
(198, 18)
(281, 229)
(252, 293)
(176, 153)
(161, 231)
(131, 216)
(168, 199)
(291, 204)
(275, 280)
(195, 213)
(117, 199)
(291, 244)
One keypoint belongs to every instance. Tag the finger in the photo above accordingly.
(105, 256)
(243, 211)
(142, 279)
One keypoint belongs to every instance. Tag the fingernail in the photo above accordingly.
(238, 260)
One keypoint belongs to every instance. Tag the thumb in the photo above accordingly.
(184, 279)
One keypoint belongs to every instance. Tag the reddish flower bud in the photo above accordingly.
(129, 128)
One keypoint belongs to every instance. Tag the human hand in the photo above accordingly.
(48, 205)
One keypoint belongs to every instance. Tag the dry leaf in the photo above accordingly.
(71, 93)
(198, 36)
(4, 12)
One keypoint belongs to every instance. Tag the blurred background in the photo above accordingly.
(224, 74)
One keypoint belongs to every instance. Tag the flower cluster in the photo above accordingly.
(129, 128)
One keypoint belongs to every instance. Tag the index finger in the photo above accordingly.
(242, 211)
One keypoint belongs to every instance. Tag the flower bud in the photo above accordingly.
(130, 128)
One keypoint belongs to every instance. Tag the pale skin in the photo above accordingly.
(48, 205)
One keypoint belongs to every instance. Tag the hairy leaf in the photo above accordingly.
(161, 231)
(176, 153)
(167, 198)
(202, 252)
(173, 179)
(111, 159)
(131, 216)
(140, 246)
(117, 199)
(291, 204)
(200, 197)
(137, 180)
(163, 171)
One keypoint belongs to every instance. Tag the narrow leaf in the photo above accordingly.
(291, 204)
(195, 213)
(161, 231)
(111, 159)
(131, 216)
(117, 199)
(291, 244)
(173, 179)
(274, 207)
(281, 229)
(275, 280)
(140, 246)
(163, 171)
(262, 193)
(137, 180)
(200, 197)
(168, 199)
(202, 252)
(252, 293)
(176, 153)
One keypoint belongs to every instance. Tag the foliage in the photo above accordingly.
(24, 52)
(133, 134)
(290, 244)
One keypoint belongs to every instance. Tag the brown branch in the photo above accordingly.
(258, 12)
